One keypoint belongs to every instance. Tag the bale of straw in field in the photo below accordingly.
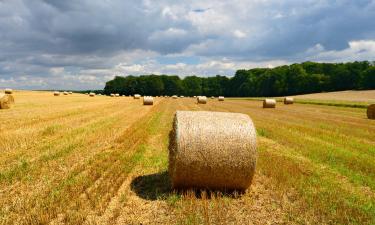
(371, 111)
(92, 94)
(288, 100)
(112, 95)
(269, 103)
(202, 100)
(117, 95)
(56, 93)
(86, 93)
(148, 100)
(137, 96)
(6, 100)
(174, 97)
(70, 92)
(221, 98)
(182, 96)
(8, 91)
(214, 150)
(65, 93)
(212, 97)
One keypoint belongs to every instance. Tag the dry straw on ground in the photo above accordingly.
(148, 100)
(6, 101)
(269, 103)
(371, 111)
(137, 96)
(201, 99)
(214, 150)
(56, 93)
(221, 98)
(288, 100)
(8, 91)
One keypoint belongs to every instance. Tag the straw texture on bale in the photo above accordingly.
(8, 91)
(148, 100)
(6, 101)
(269, 103)
(288, 100)
(56, 93)
(371, 111)
(214, 150)
(221, 98)
(137, 96)
(92, 94)
(202, 100)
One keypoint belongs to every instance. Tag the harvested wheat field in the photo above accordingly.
(80, 160)
(354, 96)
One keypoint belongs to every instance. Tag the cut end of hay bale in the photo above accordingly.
(137, 96)
(212, 150)
(201, 99)
(8, 91)
(221, 98)
(288, 100)
(269, 103)
(371, 111)
(6, 101)
(56, 93)
(148, 100)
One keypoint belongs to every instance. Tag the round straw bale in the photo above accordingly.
(212, 97)
(371, 111)
(65, 93)
(269, 103)
(6, 101)
(70, 92)
(137, 96)
(148, 100)
(221, 98)
(174, 97)
(202, 100)
(214, 150)
(117, 95)
(86, 93)
(182, 96)
(56, 93)
(288, 100)
(8, 91)
(112, 95)
(92, 94)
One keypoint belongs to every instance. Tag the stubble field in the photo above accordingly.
(100, 160)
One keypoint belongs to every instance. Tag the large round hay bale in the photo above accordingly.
(269, 103)
(288, 100)
(112, 95)
(65, 93)
(212, 97)
(148, 100)
(371, 111)
(117, 95)
(6, 100)
(174, 97)
(92, 94)
(201, 99)
(137, 96)
(8, 91)
(214, 150)
(221, 98)
(56, 93)
(70, 92)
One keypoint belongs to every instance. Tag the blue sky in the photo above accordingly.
(55, 44)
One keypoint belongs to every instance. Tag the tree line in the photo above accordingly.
(303, 78)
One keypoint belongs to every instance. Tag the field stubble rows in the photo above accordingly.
(75, 159)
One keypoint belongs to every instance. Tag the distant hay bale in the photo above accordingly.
(137, 96)
(214, 150)
(202, 100)
(6, 101)
(70, 92)
(221, 98)
(148, 100)
(371, 111)
(212, 97)
(269, 103)
(117, 95)
(174, 97)
(56, 93)
(288, 100)
(86, 93)
(65, 93)
(92, 94)
(112, 95)
(182, 96)
(8, 91)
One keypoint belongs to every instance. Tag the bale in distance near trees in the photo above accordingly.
(117, 95)
(112, 95)
(371, 111)
(65, 93)
(221, 98)
(269, 103)
(8, 91)
(6, 100)
(201, 99)
(148, 100)
(70, 92)
(288, 100)
(56, 93)
(137, 96)
(92, 94)
(174, 97)
(214, 150)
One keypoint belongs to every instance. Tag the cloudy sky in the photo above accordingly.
(71, 44)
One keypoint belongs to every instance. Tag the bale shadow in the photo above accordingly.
(153, 186)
